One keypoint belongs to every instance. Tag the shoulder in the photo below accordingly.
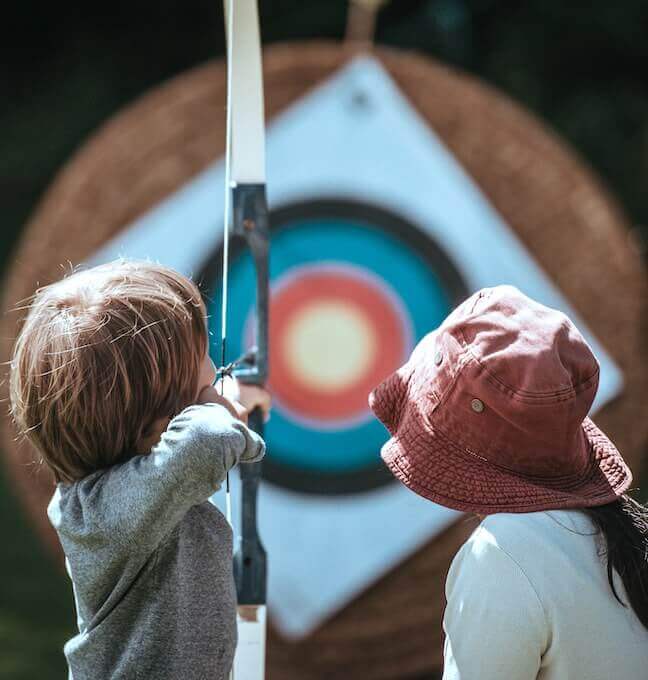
(522, 534)
(68, 500)
(523, 537)
(543, 549)
(498, 546)
(495, 546)
(507, 533)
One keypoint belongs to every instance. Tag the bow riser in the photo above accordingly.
(250, 221)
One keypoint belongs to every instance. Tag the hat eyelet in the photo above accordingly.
(438, 358)
(477, 405)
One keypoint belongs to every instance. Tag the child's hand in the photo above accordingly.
(252, 396)
(248, 398)
(210, 395)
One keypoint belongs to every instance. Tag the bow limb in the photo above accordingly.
(245, 180)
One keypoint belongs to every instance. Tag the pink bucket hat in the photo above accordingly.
(490, 412)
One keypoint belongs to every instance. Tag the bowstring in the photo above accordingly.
(228, 6)
(227, 218)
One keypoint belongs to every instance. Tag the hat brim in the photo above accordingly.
(432, 466)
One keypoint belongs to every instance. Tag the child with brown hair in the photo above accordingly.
(112, 382)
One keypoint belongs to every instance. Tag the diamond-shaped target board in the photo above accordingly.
(377, 233)
(381, 224)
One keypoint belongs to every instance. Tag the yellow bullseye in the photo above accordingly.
(329, 345)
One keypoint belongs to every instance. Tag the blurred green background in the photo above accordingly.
(66, 68)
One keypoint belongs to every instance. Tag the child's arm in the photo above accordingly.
(139, 502)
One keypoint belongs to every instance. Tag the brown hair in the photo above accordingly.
(102, 354)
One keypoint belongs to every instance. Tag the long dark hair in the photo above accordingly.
(623, 529)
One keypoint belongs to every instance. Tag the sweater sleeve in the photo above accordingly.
(136, 504)
(494, 622)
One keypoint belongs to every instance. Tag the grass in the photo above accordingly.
(36, 604)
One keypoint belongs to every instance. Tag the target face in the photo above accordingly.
(370, 208)
(353, 288)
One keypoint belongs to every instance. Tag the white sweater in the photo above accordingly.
(528, 598)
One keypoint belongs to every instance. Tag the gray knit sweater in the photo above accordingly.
(150, 557)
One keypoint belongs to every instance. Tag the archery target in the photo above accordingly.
(353, 288)
(352, 154)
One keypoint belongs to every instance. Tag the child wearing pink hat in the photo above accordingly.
(489, 416)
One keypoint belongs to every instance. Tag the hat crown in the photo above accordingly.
(530, 349)
(523, 383)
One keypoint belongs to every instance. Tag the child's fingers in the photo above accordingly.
(264, 401)
(252, 397)
(241, 412)
(209, 395)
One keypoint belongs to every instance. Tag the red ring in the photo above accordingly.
(375, 304)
